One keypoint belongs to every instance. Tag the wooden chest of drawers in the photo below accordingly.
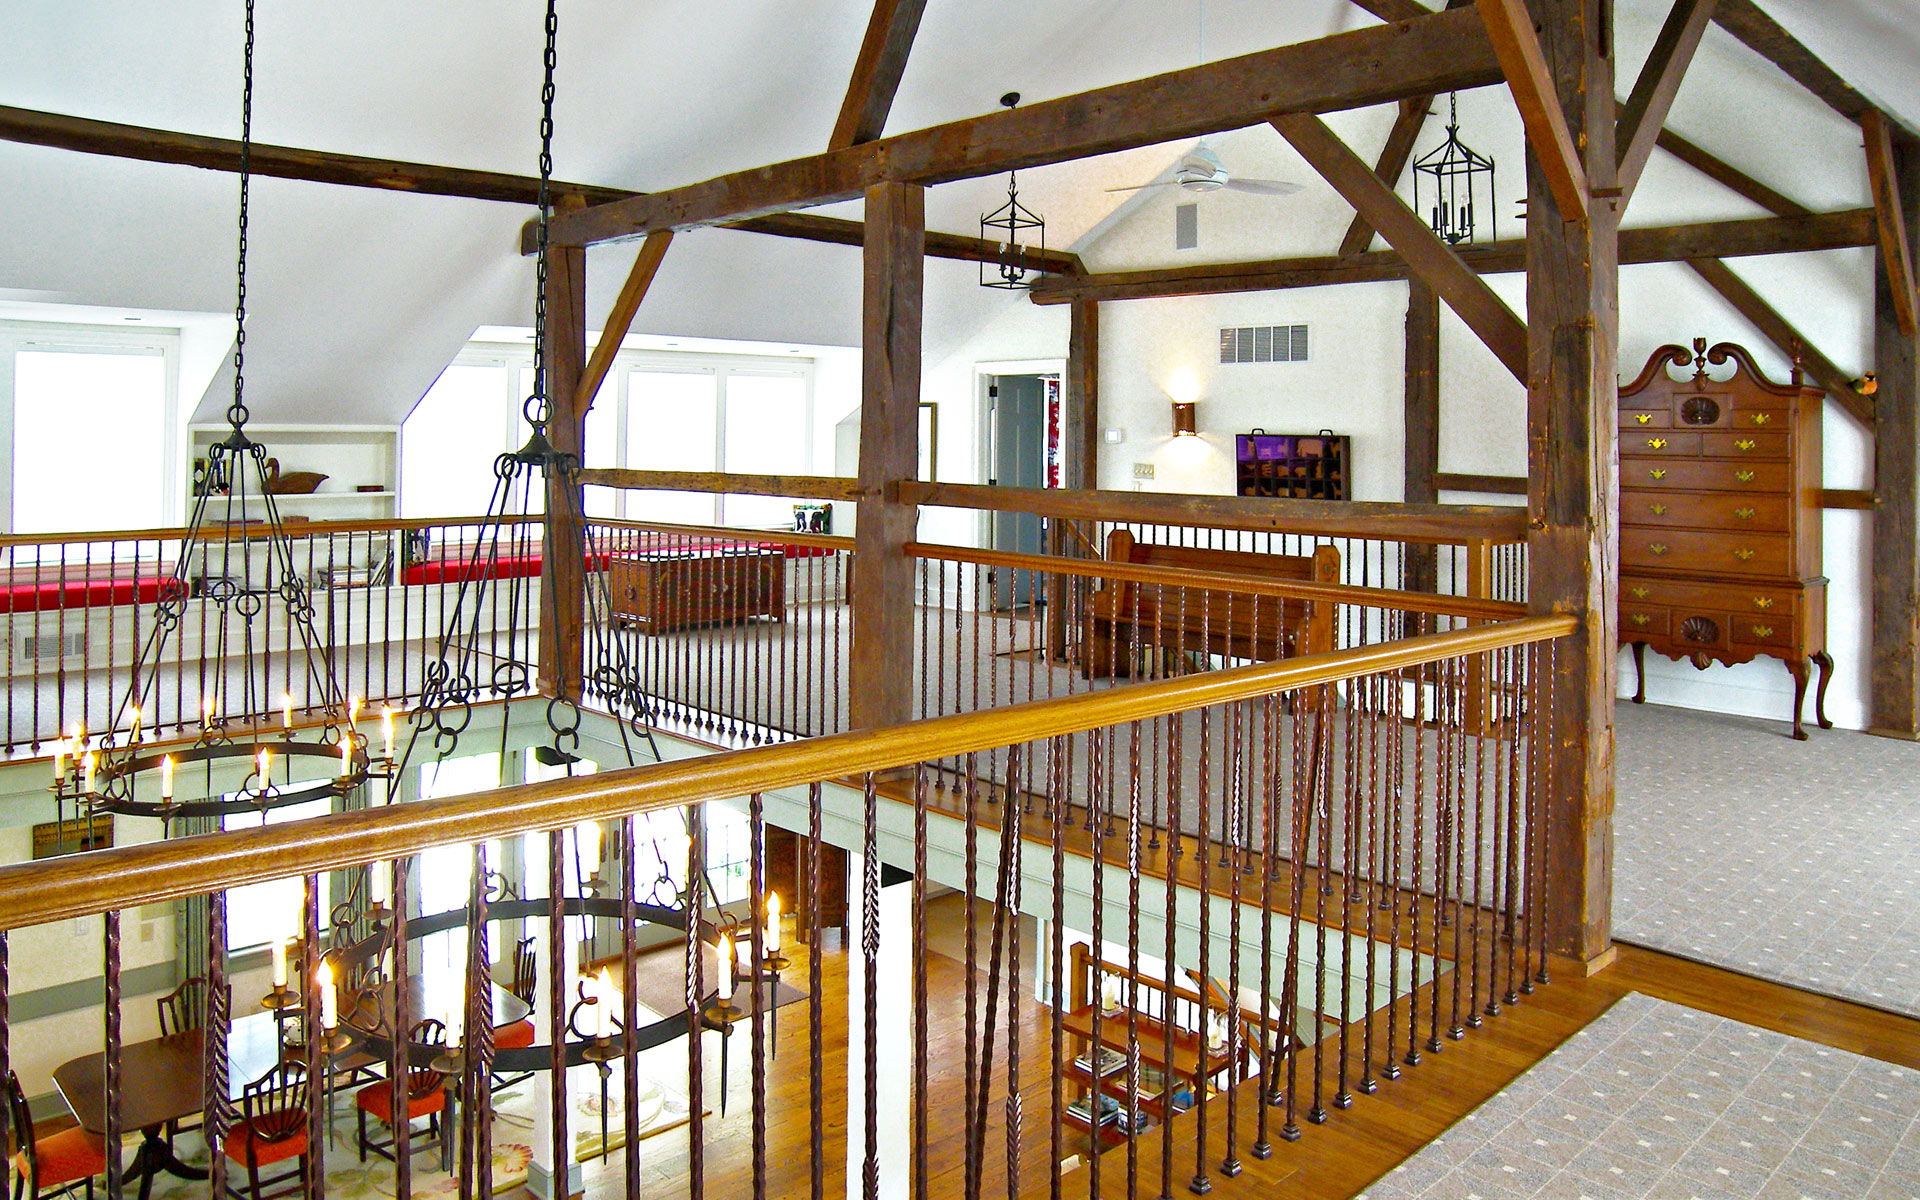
(1719, 519)
(670, 590)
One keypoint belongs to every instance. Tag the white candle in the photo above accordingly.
(773, 923)
(89, 762)
(286, 711)
(386, 727)
(134, 737)
(346, 757)
(603, 1001)
(380, 880)
(725, 981)
(265, 762)
(353, 712)
(59, 760)
(1109, 994)
(206, 711)
(166, 778)
(329, 1003)
(279, 966)
(586, 836)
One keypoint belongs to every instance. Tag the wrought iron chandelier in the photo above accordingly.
(236, 564)
(1459, 180)
(1019, 235)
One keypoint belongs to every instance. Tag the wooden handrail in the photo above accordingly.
(1441, 524)
(1225, 581)
(302, 529)
(819, 541)
(811, 487)
(33, 893)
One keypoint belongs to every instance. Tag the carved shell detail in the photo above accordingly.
(1699, 629)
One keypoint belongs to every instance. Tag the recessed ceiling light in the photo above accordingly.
(129, 318)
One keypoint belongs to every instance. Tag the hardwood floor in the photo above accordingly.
(1330, 1161)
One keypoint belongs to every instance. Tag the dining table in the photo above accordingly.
(162, 1079)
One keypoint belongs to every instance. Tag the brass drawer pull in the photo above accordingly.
(1658, 473)
(1640, 618)
(1743, 554)
(1643, 418)
(1744, 444)
(1656, 443)
(1744, 514)
(1763, 631)
(1658, 510)
(1639, 593)
(1657, 549)
(1744, 476)
(1762, 418)
(1763, 602)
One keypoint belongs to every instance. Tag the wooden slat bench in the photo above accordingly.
(1125, 618)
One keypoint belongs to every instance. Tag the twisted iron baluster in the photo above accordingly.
(1232, 833)
(756, 898)
(921, 1030)
(1133, 959)
(216, 1084)
(696, 991)
(1057, 814)
(629, 1003)
(402, 1027)
(1013, 814)
(1202, 1083)
(1296, 843)
(1269, 784)
(816, 1174)
(970, 1167)
(6, 1035)
(870, 957)
(110, 947)
(319, 1063)
(1376, 693)
(557, 1011)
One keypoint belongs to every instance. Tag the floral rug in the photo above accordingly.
(661, 1109)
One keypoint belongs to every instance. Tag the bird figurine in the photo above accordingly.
(1866, 385)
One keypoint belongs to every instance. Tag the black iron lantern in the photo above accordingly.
(1017, 233)
(1458, 185)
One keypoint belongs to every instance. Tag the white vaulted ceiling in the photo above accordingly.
(358, 298)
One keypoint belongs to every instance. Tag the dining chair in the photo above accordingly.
(425, 1090)
(183, 1009)
(520, 1034)
(54, 1164)
(272, 1129)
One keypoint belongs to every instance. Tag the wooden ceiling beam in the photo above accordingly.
(1729, 176)
(1896, 254)
(1394, 10)
(1431, 259)
(646, 265)
(1645, 113)
(1765, 37)
(1510, 26)
(1778, 330)
(877, 72)
(1392, 163)
(1670, 243)
(87, 136)
(1439, 52)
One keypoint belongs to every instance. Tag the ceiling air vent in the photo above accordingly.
(1264, 343)
(1186, 227)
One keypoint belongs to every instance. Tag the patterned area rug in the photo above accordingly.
(1798, 862)
(1657, 1100)
(661, 1109)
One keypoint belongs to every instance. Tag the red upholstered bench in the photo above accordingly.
(52, 595)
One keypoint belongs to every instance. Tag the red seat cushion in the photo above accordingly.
(71, 1154)
(375, 1098)
(242, 1139)
(517, 1036)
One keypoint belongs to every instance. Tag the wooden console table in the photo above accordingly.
(668, 590)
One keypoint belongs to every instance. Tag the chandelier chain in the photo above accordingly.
(237, 411)
(538, 407)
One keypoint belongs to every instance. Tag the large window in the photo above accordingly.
(104, 399)
(262, 913)
(657, 410)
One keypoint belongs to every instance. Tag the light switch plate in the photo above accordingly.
(1116, 436)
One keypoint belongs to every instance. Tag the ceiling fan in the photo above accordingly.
(1200, 170)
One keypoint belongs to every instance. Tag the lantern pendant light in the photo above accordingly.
(1017, 233)
(1458, 185)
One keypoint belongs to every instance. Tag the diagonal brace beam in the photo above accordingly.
(877, 72)
(1647, 106)
(1517, 44)
(1429, 258)
(1896, 254)
(646, 264)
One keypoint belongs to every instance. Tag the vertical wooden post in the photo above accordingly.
(563, 565)
(1573, 476)
(1080, 437)
(1422, 404)
(1895, 684)
(880, 675)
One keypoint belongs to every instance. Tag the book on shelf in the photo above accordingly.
(1083, 1109)
(1110, 1061)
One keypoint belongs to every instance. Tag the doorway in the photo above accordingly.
(1020, 409)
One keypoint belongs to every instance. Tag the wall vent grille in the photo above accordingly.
(1264, 344)
(52, 645)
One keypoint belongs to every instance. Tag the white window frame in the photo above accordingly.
(60, 338)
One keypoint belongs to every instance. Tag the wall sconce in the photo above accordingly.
(1183, 419)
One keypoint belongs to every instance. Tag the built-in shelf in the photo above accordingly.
(349, 455)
